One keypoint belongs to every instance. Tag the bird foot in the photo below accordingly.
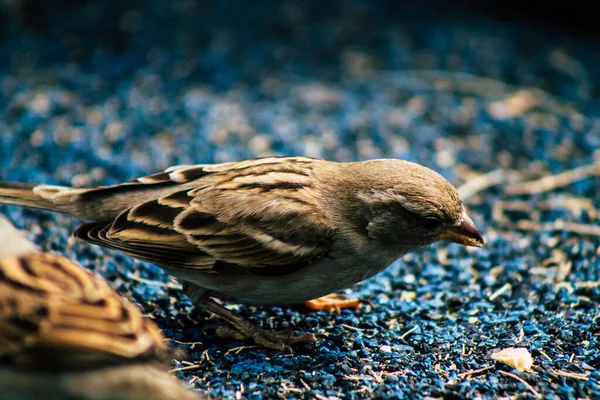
(279, 340)
(333, 302)
(240, 329)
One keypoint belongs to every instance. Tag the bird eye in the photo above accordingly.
(432, 223)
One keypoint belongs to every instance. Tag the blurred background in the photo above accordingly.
(494, 95)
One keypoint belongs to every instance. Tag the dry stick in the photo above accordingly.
(532, 225)
(137, 278)
(524, 382)
(237, 350)
(571, 227)
(542, 352)
(410, 331)
(564, 266)
(352, 327)
(187, 368)
(587, 284)
(305, 385)
(290, 389)
(500, 292)
(572, 203)
(483, 182)
(185, 343)
(573, 375)
(474, 371)
(501, 206)
(518, 103)
(552, 182)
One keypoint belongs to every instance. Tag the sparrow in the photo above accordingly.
(265, 231)
(65, 334)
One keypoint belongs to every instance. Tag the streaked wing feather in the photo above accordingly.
(252, 213)
(184, 256)
(271, 205)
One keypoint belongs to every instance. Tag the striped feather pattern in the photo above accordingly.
(52, 309)
(254, 213)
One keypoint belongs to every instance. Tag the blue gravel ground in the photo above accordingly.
(98, 92)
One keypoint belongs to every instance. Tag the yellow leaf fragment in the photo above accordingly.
(517, 357)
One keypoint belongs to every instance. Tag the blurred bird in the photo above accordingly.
(65, 334)
(273, 230)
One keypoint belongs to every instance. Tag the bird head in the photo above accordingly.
(409, 205)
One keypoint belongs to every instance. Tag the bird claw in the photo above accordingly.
(240, 329)
(280, 340)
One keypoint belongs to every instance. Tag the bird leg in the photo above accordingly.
(243, 329)
(333, 302)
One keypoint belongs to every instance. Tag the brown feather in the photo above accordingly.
(252, 213)
(52, 309)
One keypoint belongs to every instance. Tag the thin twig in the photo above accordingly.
(574, 204)
(485, 181)
(513, 105)
(465, 374)
(521, 335)
(500, 207)
(545, 355)
(352, 327)
(305, 385)
(407, 333)
(287, 389)
(571, 227)
(500, 291)
(551, 182)
(237, 350)
(524, 382)
(571, 203)
(185, 343)
(207, 357)
(186, 368)
(587, 284)
(358, 378)
(563, 265)
(573, 375)
(169, 285)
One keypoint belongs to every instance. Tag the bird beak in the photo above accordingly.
(464, 232)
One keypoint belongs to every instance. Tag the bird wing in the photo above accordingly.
(55, 314)
(253, 214)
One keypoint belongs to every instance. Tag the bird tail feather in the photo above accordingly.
(97, 204)
(45, 197)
